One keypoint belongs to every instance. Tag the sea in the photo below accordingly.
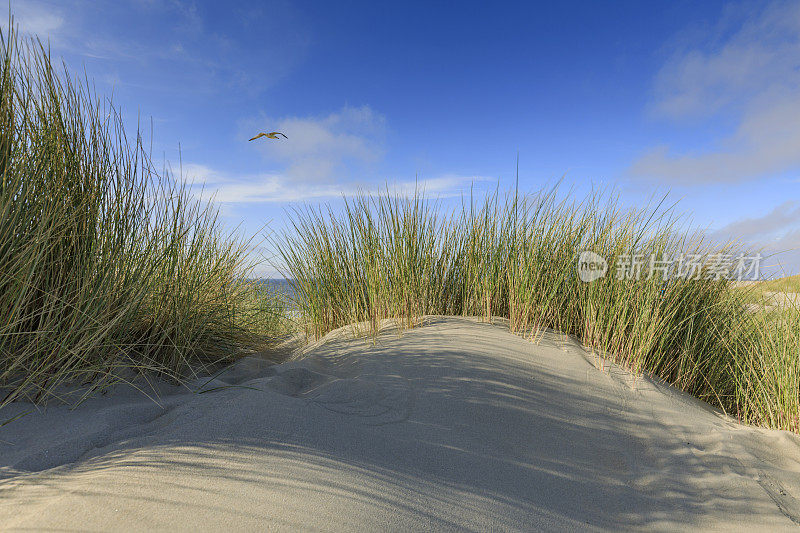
(281, 285)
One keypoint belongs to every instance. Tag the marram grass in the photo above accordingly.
(105, 264)
(388, 256)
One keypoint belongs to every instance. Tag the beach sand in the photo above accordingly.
(452, 425)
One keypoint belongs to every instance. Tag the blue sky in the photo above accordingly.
(701, 99)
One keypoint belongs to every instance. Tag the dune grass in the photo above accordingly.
(387, 256)
(106, 265)
(784, 284)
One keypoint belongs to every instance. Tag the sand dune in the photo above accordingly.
(453, 425)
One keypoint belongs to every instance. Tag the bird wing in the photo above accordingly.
(262, 134)
(279, 133)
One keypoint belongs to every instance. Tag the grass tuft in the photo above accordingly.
(106, 266)
(394, 257)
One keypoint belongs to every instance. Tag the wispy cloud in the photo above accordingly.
(338, 146)
(324, 157)
(36, 18)
(169, 36)
(778, 220)
(267, 188)
(776, 234)
(748, 69)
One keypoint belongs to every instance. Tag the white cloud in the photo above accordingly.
(338, 146)
(742, 56)
(37, 18)
(775, 234)
(169, 45)
(750, 73)
(265, 188)
(778, 220)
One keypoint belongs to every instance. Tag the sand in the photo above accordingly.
(455, 425)
(782, 300)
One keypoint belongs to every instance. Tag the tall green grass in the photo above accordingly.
(106, 265)
(389, 256)
(784, 284)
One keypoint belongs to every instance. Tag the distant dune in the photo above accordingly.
(452, 425)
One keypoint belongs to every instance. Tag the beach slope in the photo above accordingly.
(452, 425)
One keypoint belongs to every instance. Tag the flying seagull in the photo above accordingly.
(273, 135)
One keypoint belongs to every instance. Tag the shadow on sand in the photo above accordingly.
(454, 425)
